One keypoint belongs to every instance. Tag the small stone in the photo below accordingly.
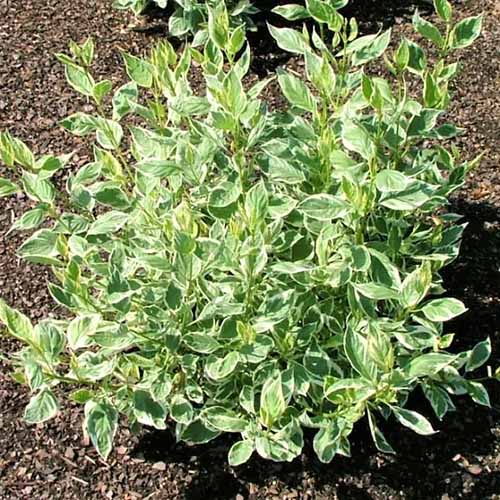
(69, 453)
(22, 471)
(474, 469)
(160, 466)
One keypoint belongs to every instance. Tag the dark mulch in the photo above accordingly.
(54, 461)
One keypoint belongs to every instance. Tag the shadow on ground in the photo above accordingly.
(372, 15)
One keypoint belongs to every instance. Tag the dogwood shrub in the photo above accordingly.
(231, 269)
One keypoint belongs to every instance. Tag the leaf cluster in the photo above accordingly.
(190, 17)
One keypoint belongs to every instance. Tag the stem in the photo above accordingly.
(248, 295)
(402, 96)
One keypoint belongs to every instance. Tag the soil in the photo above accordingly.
(55, 461)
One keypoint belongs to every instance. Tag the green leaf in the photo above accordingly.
(157, 168)
(223, 419)
(86, 51)
(427, 30)
(443, 309)
(110, 194)
(15, 149)
(439, 400)
(402, 56)
(42, 407)
(291, 12)
(181, 410)
(34, 375)
(38, 189)
(101, 424)
(479, 355)
(414, 196)
(272, 401)
(81, 329)
(222, 200)
(444, 9)
(432, 91)
(148, 411)
(256, 204)
(327, 442)
(288, 39)
(8, 188)
(102, 89)
(257, 349)
(423, 122)
(284, 445)
(17, 323)
(357, 352)
(109, 133)
(237, 40)
(240, 452)
(191, 105)
(280, 170)
(417, 61)
(60, 296)
(413, 421)
(178, 25)
(202, 343)
(41, 248)
(383, 270)
(198, 433)
(466, 31)
(416, 285)
(324, 207)
(478, 393)
(81, 396)
(356, 138)
(80, 124)
(140, 71)
(108, 223)
(296, 91)
(292, 267)
(219, 368)
(93, 366)
(369, 47)
(428, 364)
(376, 291)
(316, 360)
(377, 436)
(218, 26)
(360, 258)
(80, 79)
(50, 340)
(333, 386)
(48, 165)
(124, 100)
(71, 224)
(391, 180)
